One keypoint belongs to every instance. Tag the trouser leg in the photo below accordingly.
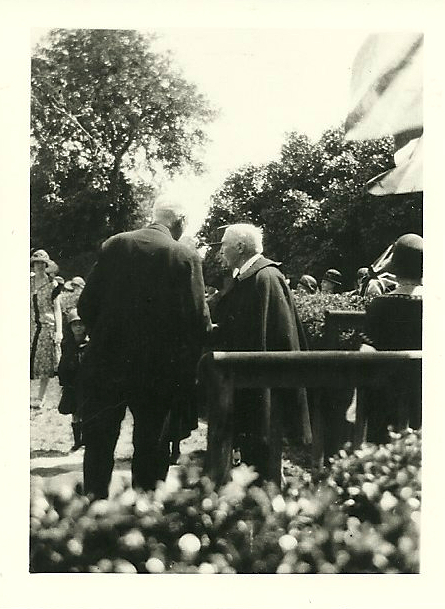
(100, 436)
(151, 446)
(76, 426)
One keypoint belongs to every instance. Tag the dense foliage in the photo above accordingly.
(312, 312)
(313, 205)
(104, 103)
(363, 516)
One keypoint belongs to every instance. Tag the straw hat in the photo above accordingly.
(41, 256)
(75, 281)
(72, 315)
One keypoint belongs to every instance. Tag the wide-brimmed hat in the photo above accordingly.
(41, 256)
(221, 230)
(333, 276)
(52, 267)
(407, 257)
(79, 281)
(308, 282)
(72, 315)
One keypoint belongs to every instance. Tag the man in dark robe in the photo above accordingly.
(257, 312)
(144, 309)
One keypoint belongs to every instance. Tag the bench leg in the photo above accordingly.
(317, 423)
(220, 427)
(275, 440)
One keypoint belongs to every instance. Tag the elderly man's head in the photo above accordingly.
(172, 215)
(239, 243)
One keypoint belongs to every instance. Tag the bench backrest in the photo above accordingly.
(222, 372)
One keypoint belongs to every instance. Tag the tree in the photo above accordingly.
(100, 99)
(313, 205)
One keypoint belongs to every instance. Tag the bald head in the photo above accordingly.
(171, 215)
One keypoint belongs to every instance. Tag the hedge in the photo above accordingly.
(361, 515)
(312, 308)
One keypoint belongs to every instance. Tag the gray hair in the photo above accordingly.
(249, 235)
(168, 213)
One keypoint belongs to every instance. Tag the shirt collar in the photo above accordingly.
(246, 265)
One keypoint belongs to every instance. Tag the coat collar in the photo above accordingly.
(259, 264)
(161, 228)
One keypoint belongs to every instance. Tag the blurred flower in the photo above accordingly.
(155, 565)
(189, 545)
(244, 475)
(388, 501)
(287, 543)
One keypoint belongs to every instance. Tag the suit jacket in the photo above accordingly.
(258, 313)
(144, 310)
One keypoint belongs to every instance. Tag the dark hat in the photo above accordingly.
(308, 282)
(333, 276)
(407, 257)
(220, 228)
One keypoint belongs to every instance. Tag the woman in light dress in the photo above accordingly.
(46, 324)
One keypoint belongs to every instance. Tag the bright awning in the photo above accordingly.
(387, 99)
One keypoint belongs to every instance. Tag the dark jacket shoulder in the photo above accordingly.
(262, 268)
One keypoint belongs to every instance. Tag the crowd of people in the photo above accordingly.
(131, 337)
(368, 283)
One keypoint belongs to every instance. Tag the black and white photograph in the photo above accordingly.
(226, 368)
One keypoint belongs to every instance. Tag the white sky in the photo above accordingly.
(264, 82)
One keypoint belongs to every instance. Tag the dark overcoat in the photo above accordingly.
(257, 312)
(68, 372)
(143, 307)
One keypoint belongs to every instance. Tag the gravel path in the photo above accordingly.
(52, 463)
(51, 434)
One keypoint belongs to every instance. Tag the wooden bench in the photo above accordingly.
(336, 402)
(221, 373)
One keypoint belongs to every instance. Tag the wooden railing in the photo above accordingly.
(222, 373)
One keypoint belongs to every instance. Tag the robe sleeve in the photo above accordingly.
(280, 329)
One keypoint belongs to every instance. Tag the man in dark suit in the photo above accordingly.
(144, 309)
(257, 312)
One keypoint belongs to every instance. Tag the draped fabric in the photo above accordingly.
(257, 312)
(387, 99)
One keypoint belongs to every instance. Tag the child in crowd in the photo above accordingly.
(73, 345)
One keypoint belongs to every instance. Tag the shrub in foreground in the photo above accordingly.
(361, 516)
